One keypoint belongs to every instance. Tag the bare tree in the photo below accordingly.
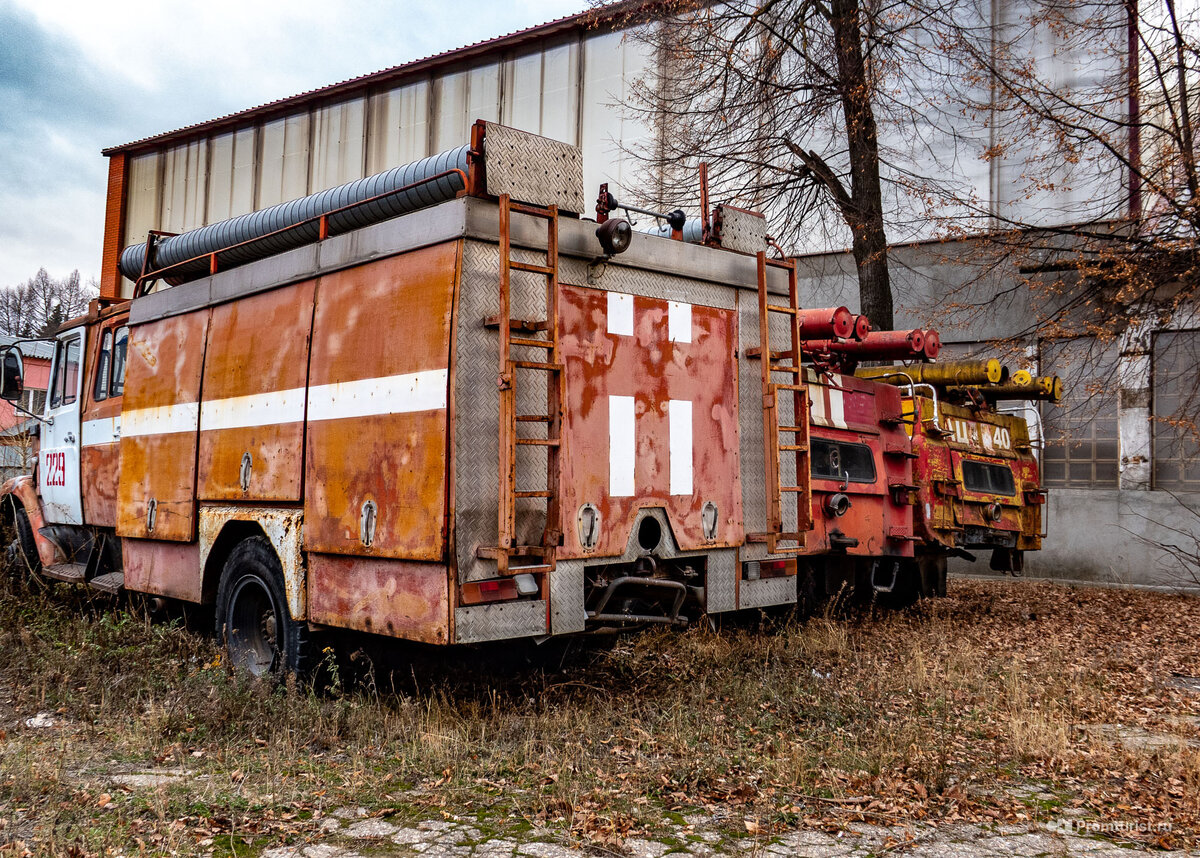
(1106, 202)
(37, 307)
(780, 96)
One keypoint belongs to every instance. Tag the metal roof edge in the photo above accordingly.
(616, 13)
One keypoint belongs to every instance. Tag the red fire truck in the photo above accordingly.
(979, 480)
(437, 404)
(434, 404)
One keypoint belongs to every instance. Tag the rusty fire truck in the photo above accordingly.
(979, 480)
(437, 404)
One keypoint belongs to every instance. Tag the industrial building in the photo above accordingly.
(1117, 469)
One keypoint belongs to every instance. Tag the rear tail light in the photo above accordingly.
(494, 590)
(752, 570)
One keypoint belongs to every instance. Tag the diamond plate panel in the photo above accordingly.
(533, 169)
(743, 231)
(766, 592)
(567, 613)
(649, 284)
(720, 585)
(754, 506)
(477, 409)
(500, 622)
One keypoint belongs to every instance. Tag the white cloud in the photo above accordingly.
(141, 67)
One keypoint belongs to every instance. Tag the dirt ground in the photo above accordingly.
(1010, 718)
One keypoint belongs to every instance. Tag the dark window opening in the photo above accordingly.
(100, 389)
(988, 478)
(66, 373)
(842, 461)
(120, 350)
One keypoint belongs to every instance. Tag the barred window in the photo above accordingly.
(1082, 448)
(1175, 357)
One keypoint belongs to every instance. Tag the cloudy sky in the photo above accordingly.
(77, 75)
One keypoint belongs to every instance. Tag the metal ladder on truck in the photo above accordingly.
(795, 431)
(539, 337)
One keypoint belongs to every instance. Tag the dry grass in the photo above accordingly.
(950, 711)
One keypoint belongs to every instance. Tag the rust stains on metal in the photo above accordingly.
(23, 489)
(390, 597)
(282, 526)
(653, 369)
(255, 372)
(100, 462)
(376, 476)
(875, 518)
(157, 491)
(162, 568)
(947, 505)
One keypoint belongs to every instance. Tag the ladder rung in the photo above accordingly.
(791, 428)
(789, 386)
(782, 537)
(525, 325)
(532, 418)
(775, 308)
(536, 211)
(794, 448)
(543, 494)
(793, 488)
(794, 370)
(529, 266)
(538, 442)
(757, 352)
(533, 364)
(491, 552)
(524, 341)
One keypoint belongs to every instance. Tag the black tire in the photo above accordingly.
(253, 619)
(23, 551)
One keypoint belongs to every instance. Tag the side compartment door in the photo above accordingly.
(252, 418)
(375, 478)
(58, 458)
(160, 419)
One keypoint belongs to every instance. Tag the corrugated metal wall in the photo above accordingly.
(570, 89)
(564, 90)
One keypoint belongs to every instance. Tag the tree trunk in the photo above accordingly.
(865, 214)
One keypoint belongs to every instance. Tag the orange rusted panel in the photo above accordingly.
(99, 454)
(399, 598)
(100, 469)
(667, 383)
(377, 418)
(255, 372)
(169, 569)
(156, 497)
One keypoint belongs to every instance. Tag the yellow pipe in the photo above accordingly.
(960, 373)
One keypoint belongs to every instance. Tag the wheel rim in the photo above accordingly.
(252, 629)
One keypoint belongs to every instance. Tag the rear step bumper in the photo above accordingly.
(675, 589)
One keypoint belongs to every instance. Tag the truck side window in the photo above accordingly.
(66, 373)
(120, 349)
(100, 390)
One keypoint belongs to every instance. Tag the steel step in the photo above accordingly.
(72, 573)
(111, 582)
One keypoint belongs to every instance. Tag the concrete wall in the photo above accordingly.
(1120, 537)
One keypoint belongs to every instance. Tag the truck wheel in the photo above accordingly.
(23, 551)
(260, 635)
